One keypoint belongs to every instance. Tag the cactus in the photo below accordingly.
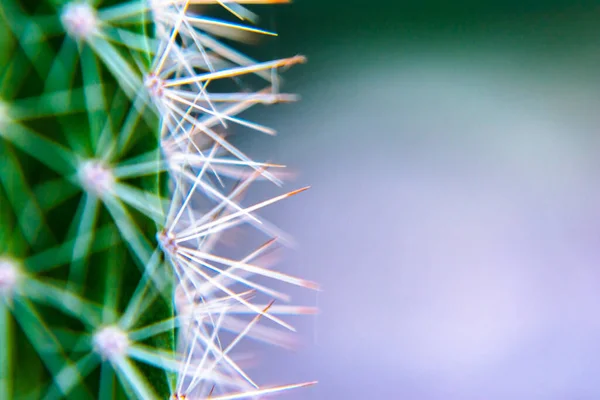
(119, 186)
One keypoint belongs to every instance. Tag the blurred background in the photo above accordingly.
(454, 219)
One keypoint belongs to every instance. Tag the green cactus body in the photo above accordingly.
(117, 183)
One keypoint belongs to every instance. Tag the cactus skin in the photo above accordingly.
(117, 184)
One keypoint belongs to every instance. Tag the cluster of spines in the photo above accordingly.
(213, 293)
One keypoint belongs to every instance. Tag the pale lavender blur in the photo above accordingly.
(454, 223)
